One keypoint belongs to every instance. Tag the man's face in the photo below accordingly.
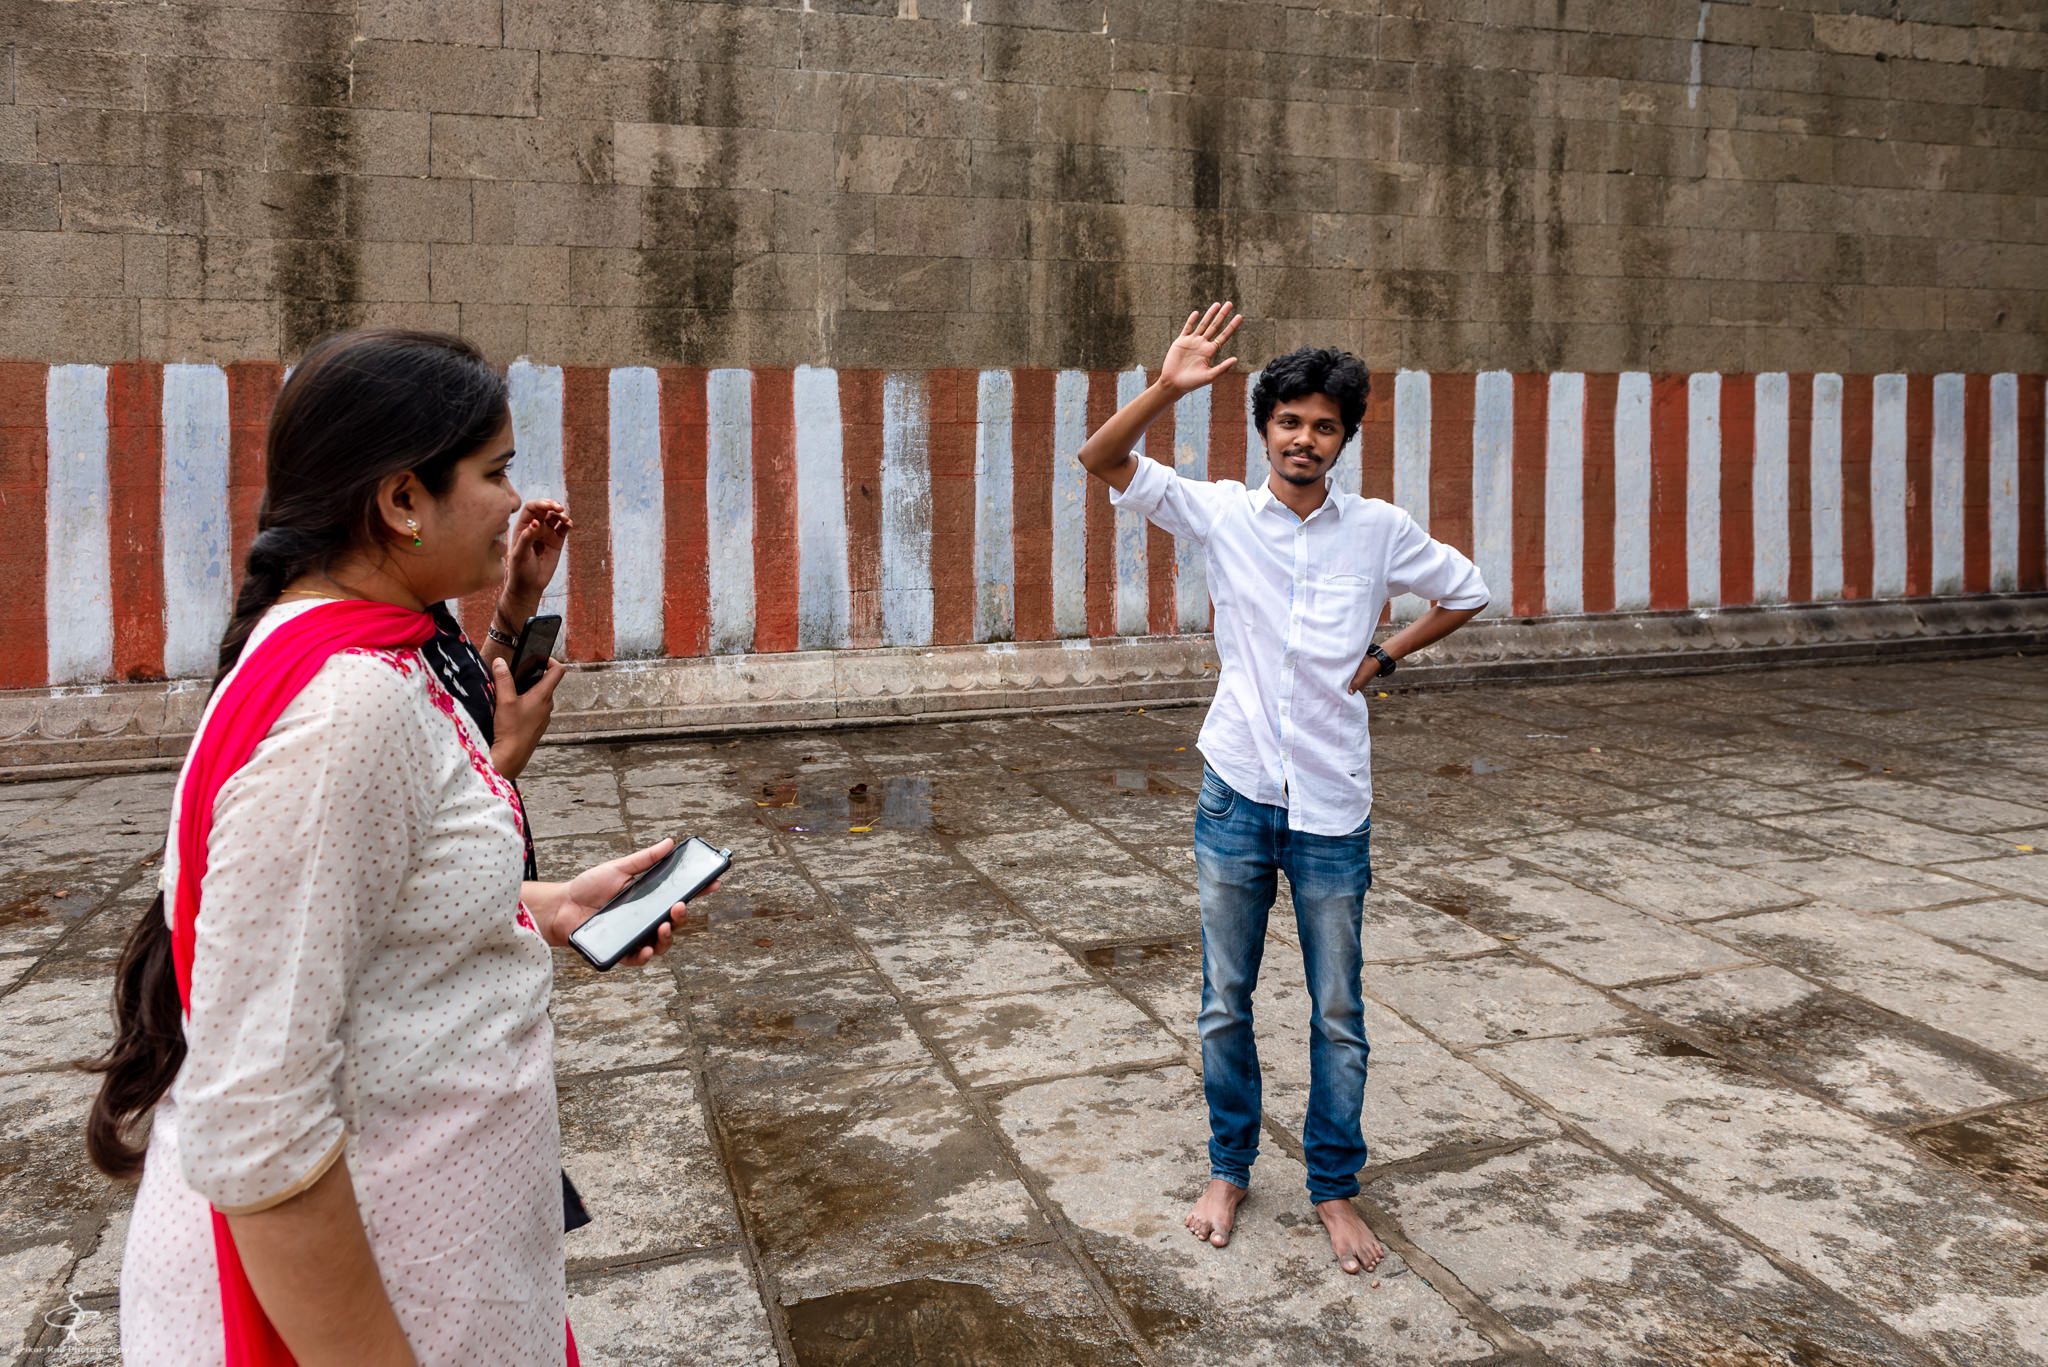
(1304, 437)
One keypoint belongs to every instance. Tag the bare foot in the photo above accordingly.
(1215, 1212)
(1357, 1251)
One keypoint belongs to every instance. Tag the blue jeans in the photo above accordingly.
(1240, 847)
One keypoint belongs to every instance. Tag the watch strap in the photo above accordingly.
(503, 638)
(1386, 660)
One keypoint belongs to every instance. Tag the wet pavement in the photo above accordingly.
(1709, 1021)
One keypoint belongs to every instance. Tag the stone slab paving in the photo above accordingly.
(1707, 1020)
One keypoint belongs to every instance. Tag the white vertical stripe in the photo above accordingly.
(1132, 597)
(635, 491)
(1493, 487)
(729, 508)
(2005, 483)
(78, 603)
(198, 582)
(1703, 490)
(1069, 504)
(1411, 465)
(535, 395)
(906, 512)
(823, 588)
(1348, 474)
(1947, 559)
(1255, 464)
(1632, 491)
(1824, 470)
(1770, 498)
(1191, 461)
(1564, 488)
(1888, 486)
(995, 563)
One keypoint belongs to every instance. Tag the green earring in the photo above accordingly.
(414, 527)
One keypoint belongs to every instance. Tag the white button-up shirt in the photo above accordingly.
(1296, 602)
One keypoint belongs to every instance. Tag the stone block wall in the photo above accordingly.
(1447, 185)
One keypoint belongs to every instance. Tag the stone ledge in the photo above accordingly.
(51, 732)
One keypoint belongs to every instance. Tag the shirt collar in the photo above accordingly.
(1262, 499)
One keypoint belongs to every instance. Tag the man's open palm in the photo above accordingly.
(1191, 360)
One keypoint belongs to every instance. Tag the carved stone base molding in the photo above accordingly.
(51, 732)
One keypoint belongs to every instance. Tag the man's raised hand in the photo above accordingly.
(1191, 360)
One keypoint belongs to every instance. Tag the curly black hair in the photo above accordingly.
(1313, 370)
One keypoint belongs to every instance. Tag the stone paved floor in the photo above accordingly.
(1709, 1022)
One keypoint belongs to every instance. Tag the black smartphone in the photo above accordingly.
(536, 644)
(630, 921)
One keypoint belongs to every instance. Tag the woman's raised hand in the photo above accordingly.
(536, 550)
(1191, 360)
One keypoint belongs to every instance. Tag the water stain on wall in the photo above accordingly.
(688, 255)
(316, 269)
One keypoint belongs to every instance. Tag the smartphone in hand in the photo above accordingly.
(536, 645)
(631, 921)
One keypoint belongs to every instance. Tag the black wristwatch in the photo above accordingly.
(1386, 661)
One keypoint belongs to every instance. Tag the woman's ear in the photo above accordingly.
(398, 502)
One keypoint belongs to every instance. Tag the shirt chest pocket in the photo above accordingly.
(1345, 609)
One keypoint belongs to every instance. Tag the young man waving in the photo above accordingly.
(1299, 573)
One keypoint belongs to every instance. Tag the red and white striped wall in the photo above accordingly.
(732, 511)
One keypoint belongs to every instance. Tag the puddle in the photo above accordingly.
(935, 1324)
(1477, 766)
(1142, 781)
(2008, 1149)
(1129, 956)
(29, 908)
(1667, 1047)
(728, 907)
(897, 803)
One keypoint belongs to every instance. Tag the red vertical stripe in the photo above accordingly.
(1738, 488)
(1376, 440)
(1668, 411)
(24, 482)
(860, 426)
(1531, 426)
(775, 512)
(1450, 459)
(1919, 484)
(1031, 502)
(1977, 484)
(950, 409)
(2033, 475)
(1858, 396)
(135, 491)
(586, 478)
(1227, 424)
(1160, 614)
(685, 571)
(1597, 492)
(1799, 488)
(1100, 517)
(252, 393)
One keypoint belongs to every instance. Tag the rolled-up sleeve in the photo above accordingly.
(1173, 503)
(310, 844)
(1430, 569)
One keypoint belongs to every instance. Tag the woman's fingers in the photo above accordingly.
(642, 860)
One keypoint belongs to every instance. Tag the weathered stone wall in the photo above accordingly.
(1453, 185)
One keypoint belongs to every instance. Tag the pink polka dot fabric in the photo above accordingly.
(365, 984)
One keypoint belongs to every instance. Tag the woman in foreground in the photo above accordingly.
(336, 1013)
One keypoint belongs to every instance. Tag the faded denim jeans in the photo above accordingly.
(1240, 848)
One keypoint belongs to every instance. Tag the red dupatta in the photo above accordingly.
(249, 703)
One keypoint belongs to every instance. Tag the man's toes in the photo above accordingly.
(1219, 1237)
